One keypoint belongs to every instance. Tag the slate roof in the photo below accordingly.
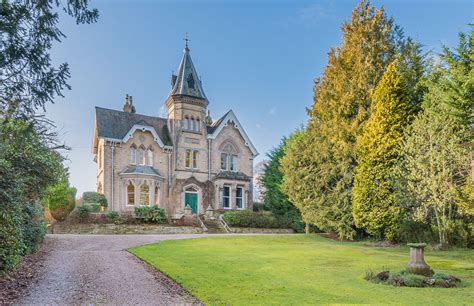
(115, 124)
(231, 175)
(187, 79)
(139, 169)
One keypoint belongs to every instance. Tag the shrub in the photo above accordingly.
(152, 214)
(91, 197)
(93, 207)
(259, 207)
(83, 212)
(114, 217)
(33, 227)
(246, 218)
(60, 199)
(413, 280)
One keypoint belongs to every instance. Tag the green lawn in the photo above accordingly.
(299, 269)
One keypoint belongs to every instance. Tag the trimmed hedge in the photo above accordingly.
(247, 218)
(91, 197)
(152, 214)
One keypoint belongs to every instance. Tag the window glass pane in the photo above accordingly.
(188, 159)
(144, 194)
(130, 194)
(226, 197)
(195, 155)
(150, 157)
(223, 161)
(133, 156)
(239, 200)
(141, 156)
(233, 163)
(198, 125)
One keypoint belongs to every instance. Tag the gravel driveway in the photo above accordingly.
(97, 269)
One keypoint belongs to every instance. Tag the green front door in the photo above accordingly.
(191, 200)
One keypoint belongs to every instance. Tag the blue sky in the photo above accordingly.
(258, 58)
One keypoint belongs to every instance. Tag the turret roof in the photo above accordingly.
(187, 81)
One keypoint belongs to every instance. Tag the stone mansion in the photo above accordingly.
(185, 160)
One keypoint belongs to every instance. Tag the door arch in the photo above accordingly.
(191, 197)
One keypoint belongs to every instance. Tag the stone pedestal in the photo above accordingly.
(209, 213)
(417, 264)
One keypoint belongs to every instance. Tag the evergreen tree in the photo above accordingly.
(375, 207)
(274, 198)
(320, 173)
(451, 85)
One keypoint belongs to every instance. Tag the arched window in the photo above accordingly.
(133, 155)
(141, 155)
(192, 127)
(144, 194)
(229, 157)
(198, 124)
(130, 194)
(186, 122)
(150, 156)
(157, 200)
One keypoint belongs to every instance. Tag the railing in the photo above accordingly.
(225, 225)
(201, 223)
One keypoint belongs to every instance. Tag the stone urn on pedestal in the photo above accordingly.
(417, 264)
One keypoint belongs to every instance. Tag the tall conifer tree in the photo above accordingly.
(319, 174)
(374, 205)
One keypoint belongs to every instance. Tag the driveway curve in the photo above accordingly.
(97, 269)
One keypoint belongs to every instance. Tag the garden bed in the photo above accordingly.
(406, 279)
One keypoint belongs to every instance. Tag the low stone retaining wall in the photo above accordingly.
(253, 230)
(122, 229)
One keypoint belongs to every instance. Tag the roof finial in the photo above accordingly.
(186, 39)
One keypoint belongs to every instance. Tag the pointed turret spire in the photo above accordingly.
(187, 82)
